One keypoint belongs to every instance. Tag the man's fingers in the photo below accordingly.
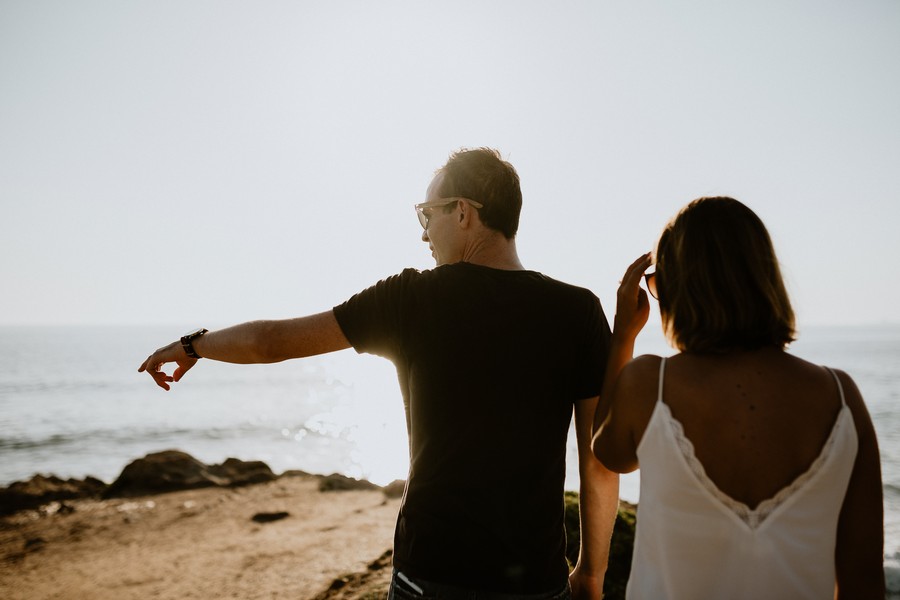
(181, 370)
(161, 379)
(154, 369)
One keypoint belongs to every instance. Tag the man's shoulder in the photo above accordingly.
(468, 275)
(568, 290)
(572, 287)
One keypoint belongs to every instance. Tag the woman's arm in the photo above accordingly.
(613, 442)
(859, 555)
(632, 312)
(631, 403)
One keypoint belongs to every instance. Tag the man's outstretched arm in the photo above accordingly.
(252, 342)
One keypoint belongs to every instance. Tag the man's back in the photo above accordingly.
(490, 363)
(491, 359)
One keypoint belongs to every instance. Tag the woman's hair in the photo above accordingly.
(718, 280)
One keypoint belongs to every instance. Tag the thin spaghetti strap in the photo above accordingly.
(662, 372)
(840, 387)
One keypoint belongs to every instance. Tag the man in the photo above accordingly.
(491, 360)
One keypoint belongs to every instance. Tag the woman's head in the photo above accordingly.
(718, 280)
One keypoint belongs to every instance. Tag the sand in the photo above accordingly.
(203, 544)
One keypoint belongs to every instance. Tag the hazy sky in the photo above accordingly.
(205, 163)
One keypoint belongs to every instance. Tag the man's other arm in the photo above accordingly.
(598, 504)
(252, 342)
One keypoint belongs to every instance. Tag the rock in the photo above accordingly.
(395, 489)
(174, 470)
(340, 483)
(369, 584)
(166, 471)
(239, 472)
(339, 583)
(40, 490)
(296, 473)
(35, 543)
(266, 517)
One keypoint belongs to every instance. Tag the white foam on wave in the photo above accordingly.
(892, 575)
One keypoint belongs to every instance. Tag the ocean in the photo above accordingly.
(72, 404)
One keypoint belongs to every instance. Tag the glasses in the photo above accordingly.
(424, 217)
(650, 278)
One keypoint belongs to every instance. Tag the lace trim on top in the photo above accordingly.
(753, 518)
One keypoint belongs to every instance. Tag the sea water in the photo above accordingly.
(73, 404)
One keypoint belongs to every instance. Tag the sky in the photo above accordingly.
(211, 162)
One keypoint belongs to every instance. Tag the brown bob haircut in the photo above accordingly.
(718, 280)
(482, 175)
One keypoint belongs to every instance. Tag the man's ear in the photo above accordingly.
(465, 214)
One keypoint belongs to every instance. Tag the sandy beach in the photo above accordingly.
(171, 526)
(203, 543)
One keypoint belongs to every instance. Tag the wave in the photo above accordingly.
(892, 576)
(891, 490)
(101, 438)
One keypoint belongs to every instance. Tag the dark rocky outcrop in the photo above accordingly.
(161, 472)
(41, 489)
(240, 472)
(341, 483)
(173, 470)
(395, 488)
(366, 585)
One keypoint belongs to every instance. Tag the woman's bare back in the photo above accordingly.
(757, 420)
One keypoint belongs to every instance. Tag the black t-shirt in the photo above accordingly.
(490, 363)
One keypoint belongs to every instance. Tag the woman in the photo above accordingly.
(760, 474)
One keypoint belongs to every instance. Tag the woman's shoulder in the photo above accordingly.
(854, 401)
(644, 363)
(641, 371)
(828, 376)
(638, 383)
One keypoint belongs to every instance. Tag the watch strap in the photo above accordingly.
(187, 342)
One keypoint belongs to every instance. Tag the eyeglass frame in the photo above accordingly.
(650, 280)
(420, 208)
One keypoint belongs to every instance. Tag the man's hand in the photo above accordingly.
(171, 353)
(585, 587)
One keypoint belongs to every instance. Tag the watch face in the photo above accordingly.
(194, 333)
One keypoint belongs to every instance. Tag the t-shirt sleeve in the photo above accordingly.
(372, 320)
(595, 352)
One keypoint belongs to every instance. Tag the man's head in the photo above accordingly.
(481, 175)
(472, 206)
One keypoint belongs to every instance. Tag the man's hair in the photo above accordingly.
(482, 175)
(718, 280)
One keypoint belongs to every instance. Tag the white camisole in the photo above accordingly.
(693, 541)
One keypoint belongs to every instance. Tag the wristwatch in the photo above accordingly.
(187, 342)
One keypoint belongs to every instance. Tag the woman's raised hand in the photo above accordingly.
(632, 304)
